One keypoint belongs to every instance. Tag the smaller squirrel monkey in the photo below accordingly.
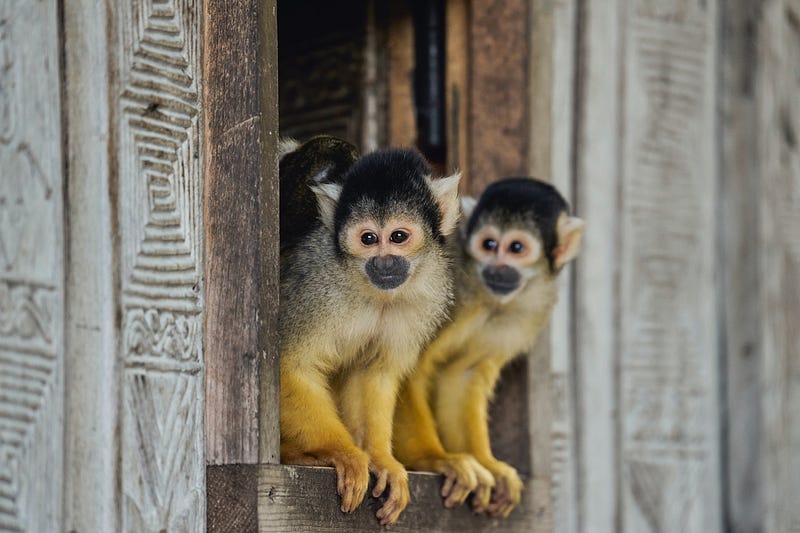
(364, 286)
(511, 246)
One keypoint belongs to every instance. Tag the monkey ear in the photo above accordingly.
(327, 198)
(287, 145)
(445, 190)
(570, 233)
(468, 204)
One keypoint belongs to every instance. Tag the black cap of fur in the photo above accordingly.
(388, 182)
(525, 201)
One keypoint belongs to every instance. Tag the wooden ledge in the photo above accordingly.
(269, 498)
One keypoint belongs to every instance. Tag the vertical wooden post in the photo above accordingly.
(241, 228)
(777, 86)
(91, 501)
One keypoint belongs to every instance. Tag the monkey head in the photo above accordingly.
(519, 229)
(389, 217)
(302, 165)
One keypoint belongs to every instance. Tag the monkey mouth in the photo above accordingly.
(387, 282)
(502, 289)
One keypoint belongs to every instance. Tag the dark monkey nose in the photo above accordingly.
(501, 279)
(387, 271)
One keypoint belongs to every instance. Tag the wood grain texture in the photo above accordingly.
(91, 439)
(293, 498)
(400, 43)
(240, 204)
(232, 498)
(668, 348)
(740, 283)
(159, 207)
(563, 441)
(31, 269)
(456, 85)
(596, 176)
(777, 87)
(498, 78)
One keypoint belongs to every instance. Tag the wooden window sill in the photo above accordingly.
(268, 498)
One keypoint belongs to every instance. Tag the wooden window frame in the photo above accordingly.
(247, 488)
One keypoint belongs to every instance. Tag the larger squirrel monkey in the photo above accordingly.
(361, 294)
(511, 247)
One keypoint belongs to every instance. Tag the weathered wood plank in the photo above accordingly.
(294, 498)
(456, 84)
(498, 77)
(232, 498)
(563, 460)
(740, 284)
(668, 434)
(402, 119)
(31, 269)
(159, 208)
(778, 127)
(91, 441)
(596, 174)
(239, 294)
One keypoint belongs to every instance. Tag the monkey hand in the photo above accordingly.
(463, 474)
(507, 491)
(352, 471)
(390, 472)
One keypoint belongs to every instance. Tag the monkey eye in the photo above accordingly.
(368, 238)
(398, 237)
(489, 244)
(516, 247)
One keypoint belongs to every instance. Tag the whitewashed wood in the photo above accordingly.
(564, 464)
(778, 87)
(91, 444)
(597, 178)
(740, 287)
(31, 269)
(668, 351)
(159, 191)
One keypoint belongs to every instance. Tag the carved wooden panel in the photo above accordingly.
(31, 269)
(668, 368)
(160, 213)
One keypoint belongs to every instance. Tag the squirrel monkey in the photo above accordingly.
(512, 244)
(361, 293)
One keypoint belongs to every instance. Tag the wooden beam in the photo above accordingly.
(778, 132)
(241, 229)
(232, 498)
(739, 255)
(91, 439)
(295, 498)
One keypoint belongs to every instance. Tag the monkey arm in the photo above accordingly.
(416, 441)
(462, 405)
(311, 431)
(367, 402)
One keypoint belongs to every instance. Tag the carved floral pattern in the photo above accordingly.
(162, 334)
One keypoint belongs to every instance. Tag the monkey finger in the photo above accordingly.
(457, 496)
(380, 483)
(481, 498)
(447, 486)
